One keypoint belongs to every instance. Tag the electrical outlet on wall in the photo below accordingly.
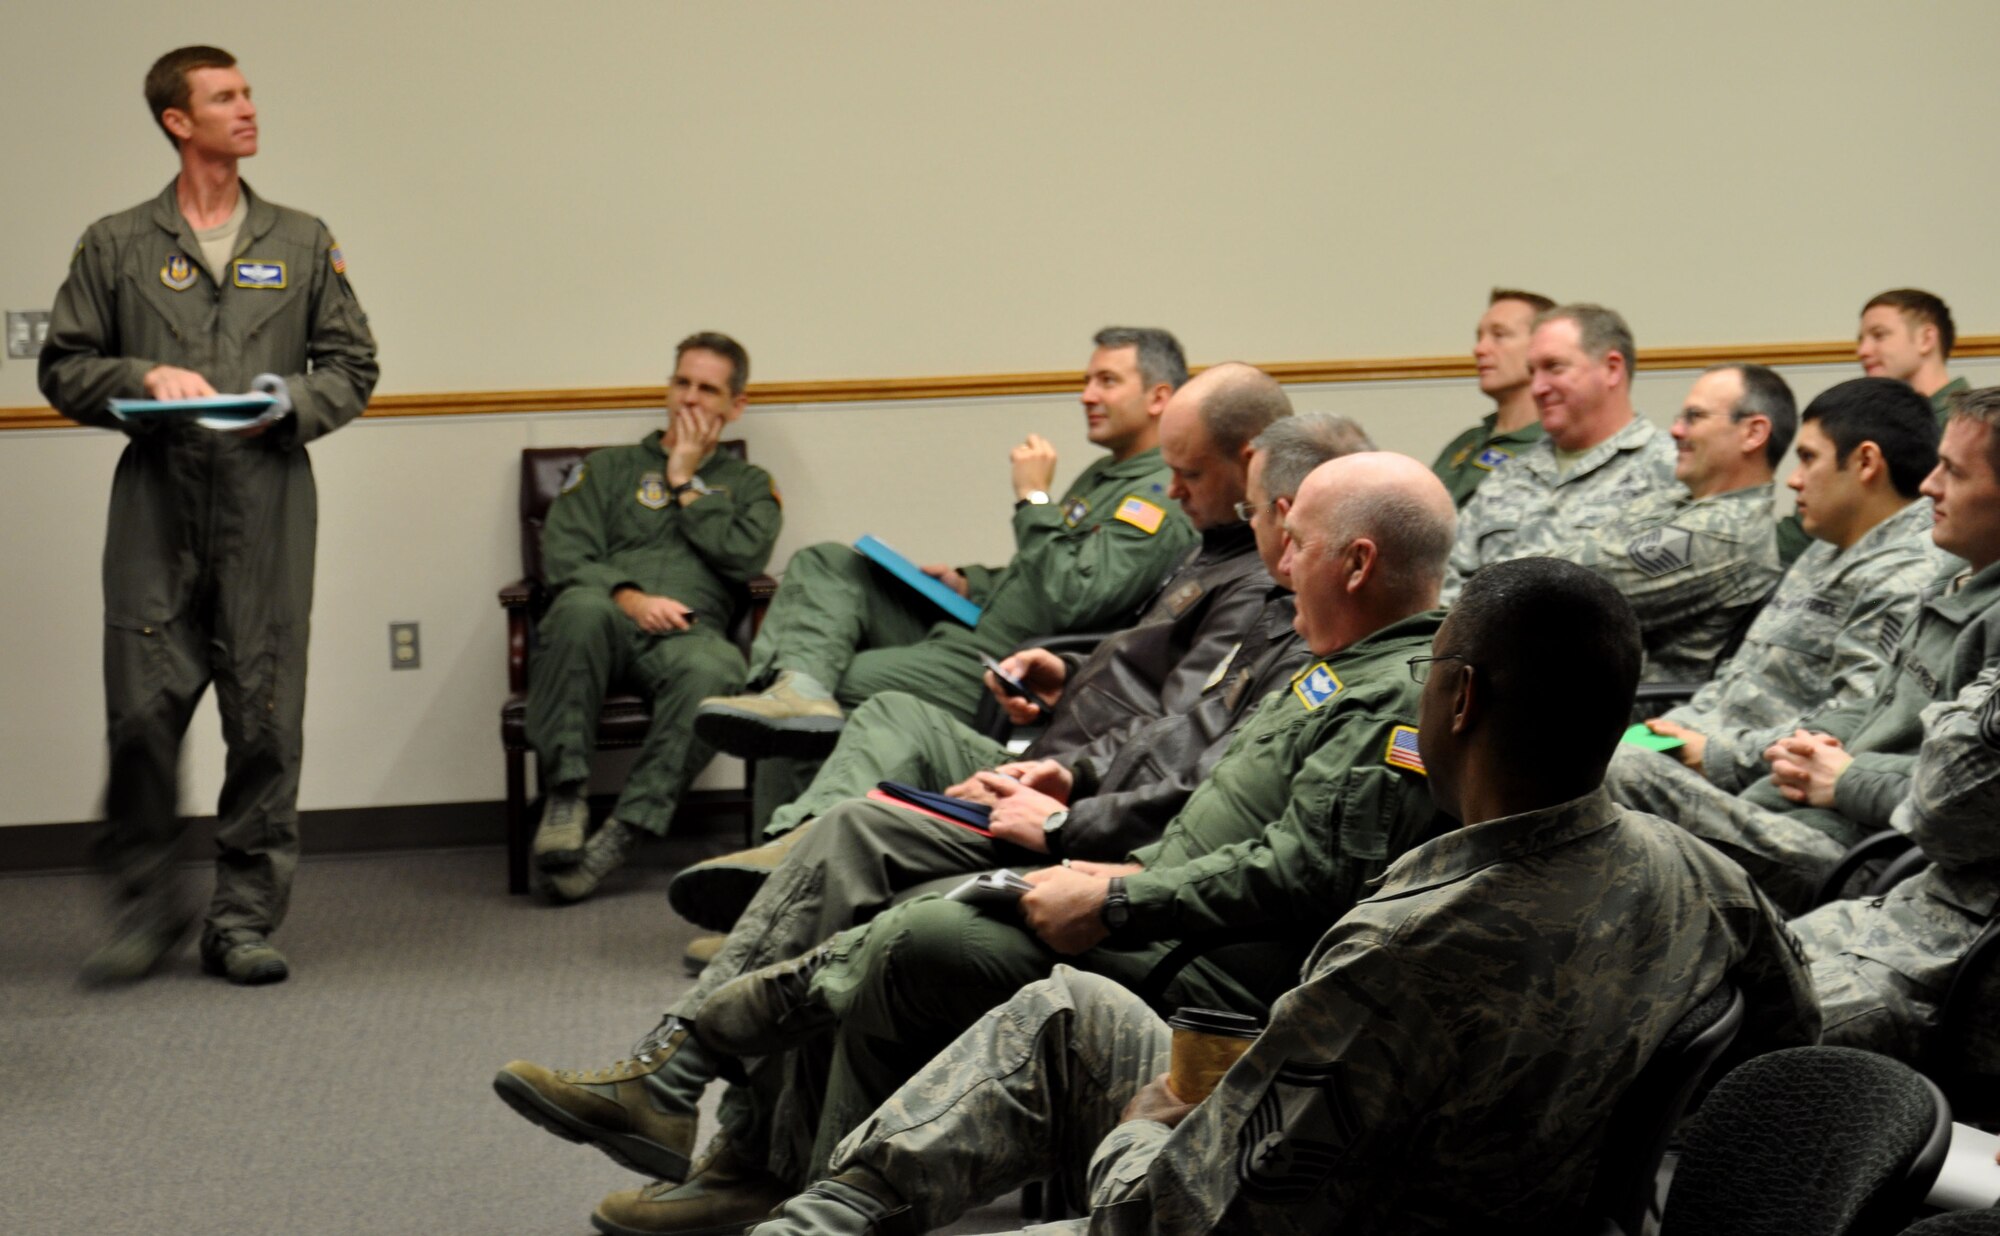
(404, 650)
(27, 330)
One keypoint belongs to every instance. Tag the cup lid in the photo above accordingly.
(1216, 1021)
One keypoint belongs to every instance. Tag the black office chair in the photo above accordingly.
(1860, 871)
(1635, 1141)
(1966, 1044)
(1810, 1141)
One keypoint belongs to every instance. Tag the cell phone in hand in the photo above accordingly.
(1015, 687)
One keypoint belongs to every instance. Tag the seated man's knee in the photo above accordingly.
(580, 611)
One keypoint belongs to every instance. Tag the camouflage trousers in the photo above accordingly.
(1788, 852)
(891, 737)
(856, 859)
(1881, 966)
(1025, 1094)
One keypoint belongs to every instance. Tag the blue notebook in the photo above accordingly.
(902, 568)
(214, 411)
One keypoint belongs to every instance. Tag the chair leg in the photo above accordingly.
(518, 837)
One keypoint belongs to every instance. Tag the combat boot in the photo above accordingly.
(243, 957)
(767, 1010)
(725, 1194)
(144, 937)
(559, 840)
(639, 1111)
(604, 853)
(794, 717)
(714, 893)
(700, 951)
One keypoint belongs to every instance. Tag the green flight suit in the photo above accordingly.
(208, 561)
(616, 525)
(1472, 456)
(1085, 562)
(1942, 396)
(1316, 794)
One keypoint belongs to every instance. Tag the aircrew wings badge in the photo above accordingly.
(1315, 686)
(1402, 752)
(177, 274)
(1141, 514)
(264, 275)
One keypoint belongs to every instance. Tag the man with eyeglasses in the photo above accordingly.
(1696, 560)
(1319, 791)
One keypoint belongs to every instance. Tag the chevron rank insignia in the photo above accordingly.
(1662, 551)
(1141, 514)
(1315, 686)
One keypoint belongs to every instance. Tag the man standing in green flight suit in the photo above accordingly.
(841, 630)
(644, 546)
(1500, 352)
(208, 561)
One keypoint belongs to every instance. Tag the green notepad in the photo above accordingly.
(1640, 736)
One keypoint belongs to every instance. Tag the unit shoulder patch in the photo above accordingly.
(1315, 685)
(178, 273)
(1402, 751)
(1662, 551)
(1074, 512)
(1491, 458)
(1141, 514)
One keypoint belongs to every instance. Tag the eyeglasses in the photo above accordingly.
(1247, 511)
(1420, 667)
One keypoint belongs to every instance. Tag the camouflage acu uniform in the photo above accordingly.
(1531, 508)
(1694, 569)
(1788, 847)
(1817, 645)
(1388, 1092)
(1314, 796)
(1883, 965)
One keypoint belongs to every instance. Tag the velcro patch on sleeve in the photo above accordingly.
(1403, 752)
(1141, 514)
(1315, 685)
(1492, 457)
(1662, 551)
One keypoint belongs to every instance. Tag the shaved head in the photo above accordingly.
(1368, 539)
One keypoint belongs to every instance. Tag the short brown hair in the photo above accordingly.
(1924, 307)
(1981, 407)
(725, 347)
(1535, 300)
(167, 80)
(1600, 331)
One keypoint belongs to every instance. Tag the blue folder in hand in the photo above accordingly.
(902, 568)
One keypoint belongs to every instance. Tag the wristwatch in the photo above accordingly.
(1052, 830)
(1117, 909)
(1036, 497)
(694, 483)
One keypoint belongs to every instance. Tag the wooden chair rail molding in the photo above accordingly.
(979, 386)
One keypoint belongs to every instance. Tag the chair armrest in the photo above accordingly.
(1881, 847)
(518, 600)
(1654, 698)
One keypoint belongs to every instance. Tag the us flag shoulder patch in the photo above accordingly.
(1403, 752)
(1141, 514)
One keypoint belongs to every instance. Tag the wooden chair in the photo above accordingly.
(624, 719)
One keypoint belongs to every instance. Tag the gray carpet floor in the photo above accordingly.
(356, 1097)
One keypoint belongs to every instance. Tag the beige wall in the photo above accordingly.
(537, 198)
